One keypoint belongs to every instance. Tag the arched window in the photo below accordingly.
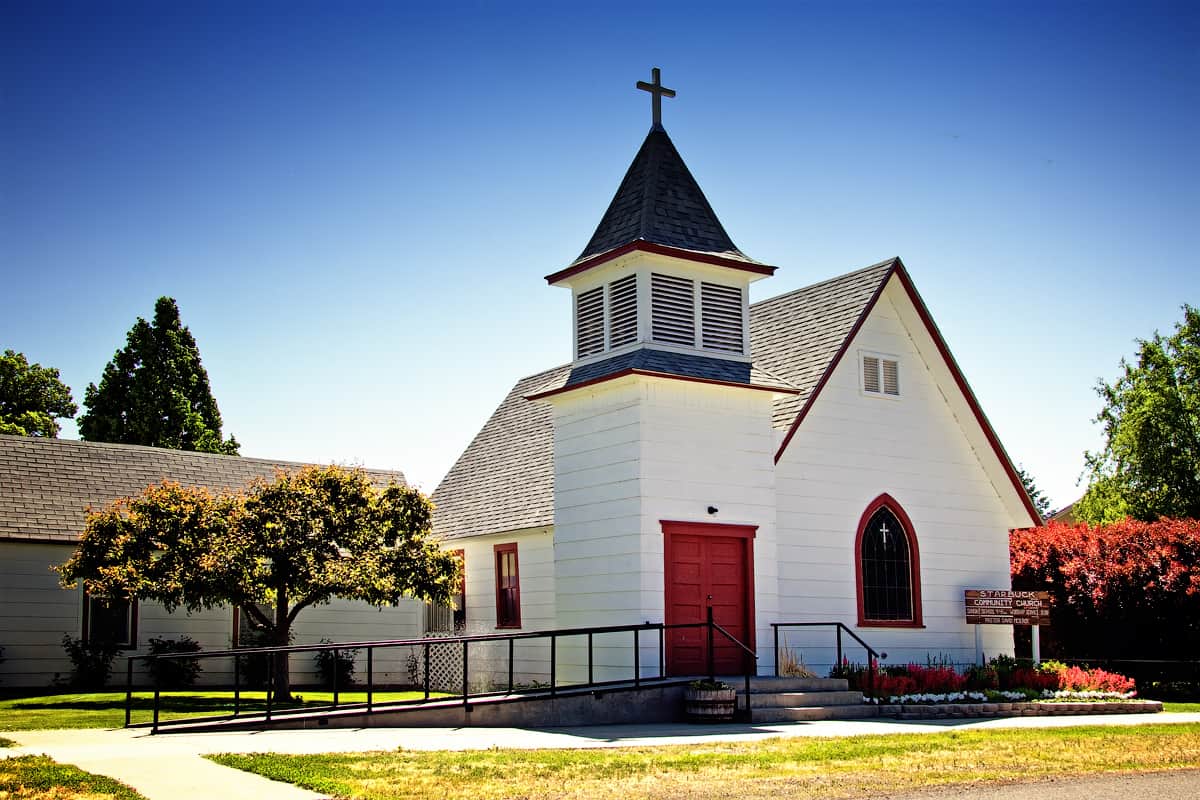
(888, 567)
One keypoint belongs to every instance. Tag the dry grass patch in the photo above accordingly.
(41, 778)
(773, 768)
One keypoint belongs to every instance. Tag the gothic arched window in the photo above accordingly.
(888, 567)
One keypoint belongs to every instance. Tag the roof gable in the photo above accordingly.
(47, 484)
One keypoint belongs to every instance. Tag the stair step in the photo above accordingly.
(815, 713)
(767, 683)
(803, 699)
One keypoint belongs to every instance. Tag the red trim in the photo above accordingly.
(914, 556)
(900, 272)
(724, 529)
(663, 250)
(652, 374)
(497, 550)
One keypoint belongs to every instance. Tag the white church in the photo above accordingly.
(814, 457)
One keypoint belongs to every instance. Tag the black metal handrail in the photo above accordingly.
(873, 655)
(749, 665)
(369, 706)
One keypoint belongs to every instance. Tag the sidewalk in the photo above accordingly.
(171, 767)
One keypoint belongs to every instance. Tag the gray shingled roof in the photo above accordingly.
(796, 335)
(684, 364)
(505, 479)
(659, 201)
(46, 484)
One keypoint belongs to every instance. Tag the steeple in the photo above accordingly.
(659, 207)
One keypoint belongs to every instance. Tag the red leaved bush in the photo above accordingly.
(1129, 589)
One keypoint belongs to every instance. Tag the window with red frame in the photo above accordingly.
(887, 579)
(508, 587)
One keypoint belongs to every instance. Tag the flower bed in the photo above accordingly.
(998, 688)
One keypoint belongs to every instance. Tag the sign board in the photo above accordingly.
(1004, 607)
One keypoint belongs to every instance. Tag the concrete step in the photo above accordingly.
(802, 699)
(814, 713)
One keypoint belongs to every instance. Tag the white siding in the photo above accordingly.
(35, 612)
(535, 567)
(630, 453)
(851, 448)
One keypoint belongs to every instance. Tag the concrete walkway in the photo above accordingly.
(171, 767)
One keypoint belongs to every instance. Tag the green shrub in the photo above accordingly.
(335, 662)
(173, 673)
(91, 662)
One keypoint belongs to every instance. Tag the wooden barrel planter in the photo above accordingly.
(710, 704)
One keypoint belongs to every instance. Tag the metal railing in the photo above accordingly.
(873, 655)
(272, 709)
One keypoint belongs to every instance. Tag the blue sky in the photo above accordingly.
(355, 204)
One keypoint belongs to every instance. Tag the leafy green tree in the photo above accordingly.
(288, 544)
(32, 398)
(1040, 501)
(1150, 465)
(155, 391)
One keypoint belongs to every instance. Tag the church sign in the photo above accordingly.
(1004, 607)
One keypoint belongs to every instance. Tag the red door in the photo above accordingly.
(708, 565)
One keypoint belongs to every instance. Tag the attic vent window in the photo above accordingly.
(880, 375)
(672, 310)
(721, 326)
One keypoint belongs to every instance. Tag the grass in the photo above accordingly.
(1181, 708)
(773, 768)
(40, 778)
(107, 709)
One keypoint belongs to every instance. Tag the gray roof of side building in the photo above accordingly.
(659, 201)
(46, 485)
(504, 480)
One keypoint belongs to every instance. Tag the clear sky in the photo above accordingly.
(355, 203)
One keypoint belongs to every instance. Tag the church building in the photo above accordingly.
(814, 457)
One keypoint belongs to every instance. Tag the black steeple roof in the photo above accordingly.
(660, 202)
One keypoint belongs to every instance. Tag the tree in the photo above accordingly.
(1150, 464)
(1039, 500)
(155, 391)
(1126, 590)
(31, 398)
(288, 544)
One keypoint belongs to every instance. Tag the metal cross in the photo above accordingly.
(883, 530)
(657, 92)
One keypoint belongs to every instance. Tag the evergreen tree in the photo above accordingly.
(1039, 500)
(31, 397)
(155, 391)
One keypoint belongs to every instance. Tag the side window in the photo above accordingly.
(889, 590)
(112, 621)
(508, 587)
(247, 630)
(460, 593)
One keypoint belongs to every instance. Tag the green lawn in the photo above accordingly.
(40, 778)
(1180, 708)
(768, 770)
(107, 709)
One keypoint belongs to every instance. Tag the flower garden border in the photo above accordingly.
(1033, 708)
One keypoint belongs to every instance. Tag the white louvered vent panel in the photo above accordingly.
(672, 310)
(870, 365)
(622, 311)
(721, 326)
(891, 377)
(589, 322)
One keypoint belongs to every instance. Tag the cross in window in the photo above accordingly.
(883, 531)
(657, 92)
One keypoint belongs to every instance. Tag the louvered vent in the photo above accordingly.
(721, 325)
(622, 311)
(870, 366)
(891, 377)
(589, 322)
(672, 310)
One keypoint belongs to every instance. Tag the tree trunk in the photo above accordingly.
(283, 683)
